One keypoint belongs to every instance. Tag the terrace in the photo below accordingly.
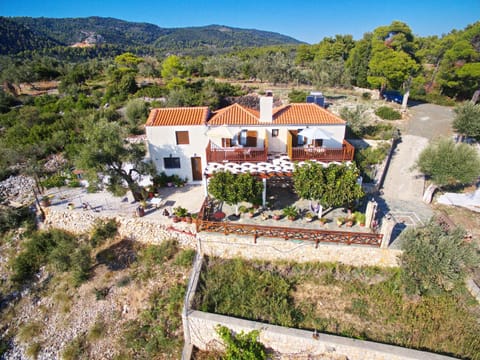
(240, 154)
(220, 218)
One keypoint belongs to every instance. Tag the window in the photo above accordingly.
(171, 162)
(182, 137)
(274, 132)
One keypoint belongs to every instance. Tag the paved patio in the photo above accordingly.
(190, 197)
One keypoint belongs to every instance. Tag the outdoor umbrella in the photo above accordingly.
(314, 133)
(217, 133)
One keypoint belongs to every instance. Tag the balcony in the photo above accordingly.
(235, 154)
(324, 154)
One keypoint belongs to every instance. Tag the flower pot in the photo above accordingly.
(71, 206)
(45, 202)
(140, 211)
(175, 219)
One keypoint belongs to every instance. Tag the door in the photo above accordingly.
(196, 168)
(251, 139)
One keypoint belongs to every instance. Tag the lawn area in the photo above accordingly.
(365, 303)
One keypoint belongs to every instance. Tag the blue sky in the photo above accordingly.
(306, 20)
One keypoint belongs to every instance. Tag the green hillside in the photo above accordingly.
(16, 37)
(42, 33)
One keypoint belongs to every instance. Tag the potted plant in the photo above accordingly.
(242, 209)
(360, 218)
(322, 220)
(45, 201)
(265, 216)
(290, 212)
(309, 216)
(179, 213)
(340, 221)
(349, 221)
(277, 215)
(70, 206)
(251, 212)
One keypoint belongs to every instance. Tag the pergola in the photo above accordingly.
(280, 167)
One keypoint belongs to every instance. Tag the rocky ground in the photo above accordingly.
(17, 190)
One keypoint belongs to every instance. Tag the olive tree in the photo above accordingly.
(449, 164)
(105, 151)
(435, 260)
(467, 120)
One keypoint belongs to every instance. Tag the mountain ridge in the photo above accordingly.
(68, 31)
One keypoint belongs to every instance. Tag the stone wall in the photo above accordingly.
(298, 344)
(231, 246)
(139, 229)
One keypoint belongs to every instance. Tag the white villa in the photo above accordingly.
(192, 142)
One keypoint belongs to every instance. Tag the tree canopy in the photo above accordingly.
(447, 163)
(234, 188)
(467, 120)
(106, 152)
(332, 186)
(434, 260)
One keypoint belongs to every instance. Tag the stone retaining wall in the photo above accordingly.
(298, 344)
(139, 229)
(230, 246)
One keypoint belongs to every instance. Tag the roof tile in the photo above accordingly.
(178, 116)
(238, 115)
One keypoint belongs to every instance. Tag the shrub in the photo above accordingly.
(76, 349)
(155, 331)
(56, 180)
(297, 96)
(387, 113)
(102, 231)
(366, 96)
(33, 350)
(97, 331)
(157, 254)
(267, 293)
(242, 346)
(28, 331)
(436, 98)
(81, 263)
(184, 258)
(124, 281)
(379, 131)
(434, 260)
(13, 218)
(449, 164)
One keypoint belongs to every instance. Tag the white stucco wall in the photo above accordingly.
(162, 142)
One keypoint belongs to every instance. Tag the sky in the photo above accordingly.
(306, 20)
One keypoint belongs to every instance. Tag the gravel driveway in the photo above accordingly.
(403, 187)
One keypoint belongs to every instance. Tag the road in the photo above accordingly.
(403, 188)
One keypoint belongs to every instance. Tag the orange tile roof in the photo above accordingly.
(238, 115)
(305, 114)
(178, 116)
(234, 115)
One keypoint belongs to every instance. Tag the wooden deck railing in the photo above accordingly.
(345, 153)
(218, 154)
(205, 223)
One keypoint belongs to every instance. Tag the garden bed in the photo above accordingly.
(365, 303)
